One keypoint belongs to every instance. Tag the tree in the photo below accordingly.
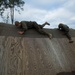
(5, 4)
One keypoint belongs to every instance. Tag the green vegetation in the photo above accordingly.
(10, 4)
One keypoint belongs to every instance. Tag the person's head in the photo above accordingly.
(61, 24)
(17, 23)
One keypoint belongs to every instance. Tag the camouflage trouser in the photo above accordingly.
(39, 29)
(67, 34)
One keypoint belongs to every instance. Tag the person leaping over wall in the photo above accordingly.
(65, 29)
(25, 25)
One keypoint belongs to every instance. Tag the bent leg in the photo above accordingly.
(41, 31)
(69, 37)
(46, 23)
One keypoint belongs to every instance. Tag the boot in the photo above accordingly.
(71, 41)
(50, 36)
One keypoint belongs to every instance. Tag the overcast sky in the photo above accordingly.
(52, 11)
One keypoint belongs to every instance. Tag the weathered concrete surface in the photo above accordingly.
(35, 54)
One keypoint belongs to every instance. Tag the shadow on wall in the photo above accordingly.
(66, 73)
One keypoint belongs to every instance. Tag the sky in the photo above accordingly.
(52, 11)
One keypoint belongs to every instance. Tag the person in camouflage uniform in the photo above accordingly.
(65, 29)
(25, 25)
